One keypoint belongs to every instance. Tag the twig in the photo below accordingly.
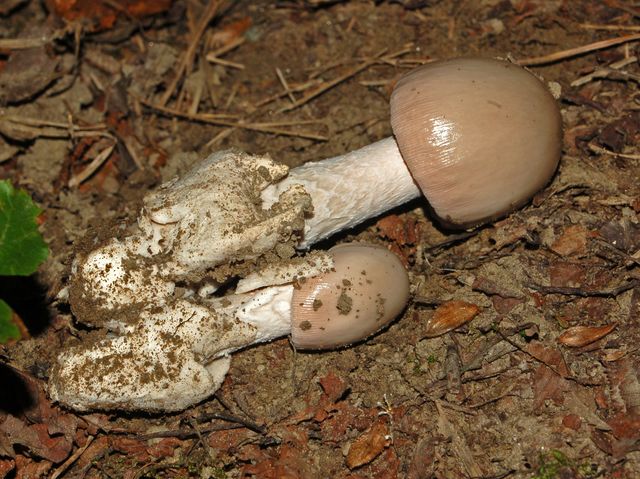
(54, 124)
(573, 52)
(604, 151)
(184, 433)
(35, 42)
(285, 85)
(187, 58)
(585, 293)
(292, 89)
(341, 78)
(225, 63)
(594, 26)
(23, 43)
(604, 72)
(214, 56)
(635, 258)
(205, 444)
(96, 163)
(532, 355)
(215, 119)
(73, 458)
(505, 393)
(231, 418)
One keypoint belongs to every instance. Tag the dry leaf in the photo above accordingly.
(449, 316)
(549, 379)
(399, 229)
(611, 355)
(572, 242)
(6, 466)
(368, 446)
(333, 386)
(578, 336)
(36, 439)
(97, 16)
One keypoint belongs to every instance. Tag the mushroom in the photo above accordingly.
(177, 353)
(479, 137)
(367, 288)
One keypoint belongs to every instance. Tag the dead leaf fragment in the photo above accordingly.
(26, 74)
(368, 446)
(333, 386)
(449, 316)
(572, 242)
(549, 380)
(399, 229)
(36, 438)
(98, 16)
(578, 336)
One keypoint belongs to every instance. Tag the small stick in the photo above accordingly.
(187, 57)
(341, 78)
(604, 72)
(204, 443)
(228, 47)
(23, 43)
(216, 120)
(54, 124)
(285, 85)
(96, 163)
(604, 151)
(214, 56)
(231, 418)
(573, 52)
(594, 26)
(225, 63)
(34, 42)
(585, 293)
(73, 458)
(292, 89)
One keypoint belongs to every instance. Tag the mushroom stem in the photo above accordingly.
(381, 182)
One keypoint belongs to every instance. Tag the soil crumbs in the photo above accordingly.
(101, 101)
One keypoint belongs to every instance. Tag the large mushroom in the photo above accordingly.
(478, 137)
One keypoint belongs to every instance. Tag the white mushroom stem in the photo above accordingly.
(349, 189)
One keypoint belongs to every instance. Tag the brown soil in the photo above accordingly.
(505, 394)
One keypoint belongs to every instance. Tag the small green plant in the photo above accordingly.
(554, 462)
(432, 359)
(22, 248)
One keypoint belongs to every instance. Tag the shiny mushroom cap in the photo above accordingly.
(479, 136)
(366, 290)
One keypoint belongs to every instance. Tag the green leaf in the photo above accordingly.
(8, 329)
(22, 248)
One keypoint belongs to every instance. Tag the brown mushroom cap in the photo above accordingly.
(366, 290)
(479, 136)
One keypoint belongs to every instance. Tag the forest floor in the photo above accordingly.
(103, 101)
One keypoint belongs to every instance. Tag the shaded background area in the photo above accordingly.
(101, 101)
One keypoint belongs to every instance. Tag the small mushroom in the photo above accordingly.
(177, 353)
(478, 137)
(367, 288)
